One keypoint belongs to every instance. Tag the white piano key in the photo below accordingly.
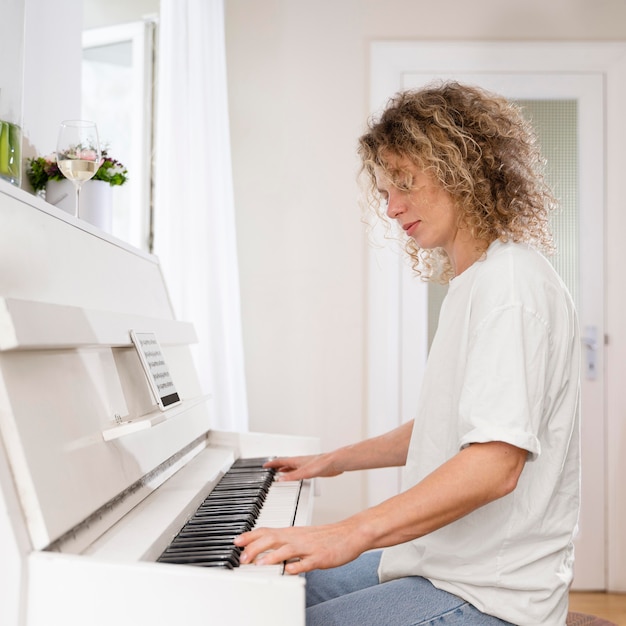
(280, 505)
(279, 511)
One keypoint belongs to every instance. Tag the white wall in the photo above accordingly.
(52, 54)
(11, 53)
(298, 88)
(297, 76)
(40, 69)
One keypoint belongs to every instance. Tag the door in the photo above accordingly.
(567, 111)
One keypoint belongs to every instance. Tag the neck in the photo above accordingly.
(466, 253)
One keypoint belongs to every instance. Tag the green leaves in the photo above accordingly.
(40, 170)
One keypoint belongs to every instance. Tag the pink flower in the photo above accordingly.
(87, 155)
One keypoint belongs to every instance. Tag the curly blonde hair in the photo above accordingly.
(482, 151)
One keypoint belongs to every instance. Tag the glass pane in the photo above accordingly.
(556, 123)
(107, 98)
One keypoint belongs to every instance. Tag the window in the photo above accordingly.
(117, 93)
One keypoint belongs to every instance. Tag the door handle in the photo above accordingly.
(590, 343)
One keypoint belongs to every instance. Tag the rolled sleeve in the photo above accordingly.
(503, 392)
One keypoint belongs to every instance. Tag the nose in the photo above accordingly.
(395, 206)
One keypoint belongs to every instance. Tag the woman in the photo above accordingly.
(482, 531)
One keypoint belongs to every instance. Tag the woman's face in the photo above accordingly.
(420, 205)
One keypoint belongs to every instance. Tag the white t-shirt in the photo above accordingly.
(504, 366)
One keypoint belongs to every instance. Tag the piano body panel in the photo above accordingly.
(77, 417)
(79, 423)
(75, 591)
(14, 546)
(150, 526)
(29, 324)
(255, 444)
(49, 256)
(60, 403)
(95, 479)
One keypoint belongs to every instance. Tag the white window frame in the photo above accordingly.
(141, 35)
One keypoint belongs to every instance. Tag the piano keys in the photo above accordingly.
(96, 481)
(234, 506)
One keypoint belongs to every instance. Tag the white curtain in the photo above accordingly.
(194, 221)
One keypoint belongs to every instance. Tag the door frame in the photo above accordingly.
(391, 400)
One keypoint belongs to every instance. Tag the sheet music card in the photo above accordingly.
(155, 368)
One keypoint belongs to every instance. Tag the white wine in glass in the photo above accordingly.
(78, 153)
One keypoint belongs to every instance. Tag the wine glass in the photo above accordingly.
(78, 153)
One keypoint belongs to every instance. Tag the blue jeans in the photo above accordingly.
(351, 595)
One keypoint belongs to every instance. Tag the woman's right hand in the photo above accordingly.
(300, 467)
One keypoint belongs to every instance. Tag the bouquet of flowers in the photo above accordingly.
(40, 170)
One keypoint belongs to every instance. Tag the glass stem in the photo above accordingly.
(77, 211)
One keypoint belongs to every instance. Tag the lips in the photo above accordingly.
(409, 226)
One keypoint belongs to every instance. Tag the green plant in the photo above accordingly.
(40, 170)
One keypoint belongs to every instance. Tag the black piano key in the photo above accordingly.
(183, 540)
(223, 518)
(201, 561)
(229, 508)
(226, 503)
(213, 530)
(230, 494)
(253, 486)
(205, 551)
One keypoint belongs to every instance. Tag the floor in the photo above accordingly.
(611, 606)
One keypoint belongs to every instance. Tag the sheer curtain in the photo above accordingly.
(194, 222)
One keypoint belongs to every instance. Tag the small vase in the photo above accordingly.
(61, 194)
(96, 201)
(96, 204)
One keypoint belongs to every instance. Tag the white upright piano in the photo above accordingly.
(96, 481)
